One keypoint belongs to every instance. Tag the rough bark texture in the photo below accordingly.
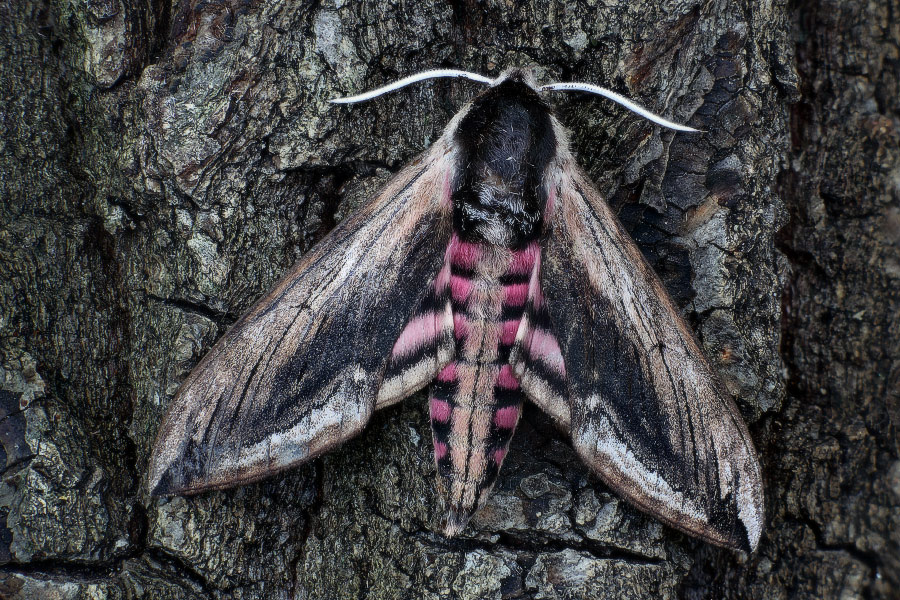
(161, 164)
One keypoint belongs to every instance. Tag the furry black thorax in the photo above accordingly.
(507, 140)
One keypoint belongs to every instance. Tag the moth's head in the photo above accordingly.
(514, 82)
(513, 92)
(522, 75)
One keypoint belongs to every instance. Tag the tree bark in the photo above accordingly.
(162, 164)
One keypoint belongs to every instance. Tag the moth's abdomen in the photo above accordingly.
(475, 400)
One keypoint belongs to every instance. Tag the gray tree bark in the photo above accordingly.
(163, 163)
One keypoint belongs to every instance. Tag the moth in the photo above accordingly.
(491, 269)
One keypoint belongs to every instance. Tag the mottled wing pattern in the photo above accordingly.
(647, 412)
(300, 372)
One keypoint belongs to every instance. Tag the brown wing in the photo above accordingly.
(300, 372)
(647, 411)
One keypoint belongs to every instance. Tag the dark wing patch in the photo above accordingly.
(647, 411)
(299, 373)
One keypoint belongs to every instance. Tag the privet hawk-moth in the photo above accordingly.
(491, 269)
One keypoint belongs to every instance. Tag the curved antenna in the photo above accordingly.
(433, 74)
(596, 89)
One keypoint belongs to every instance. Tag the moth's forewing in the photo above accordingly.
(647, 412)
(300, 372)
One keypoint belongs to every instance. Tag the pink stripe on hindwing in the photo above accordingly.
(419, 332)
(422, 328)
(543, 346)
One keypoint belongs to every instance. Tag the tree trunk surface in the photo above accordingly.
(161, 164)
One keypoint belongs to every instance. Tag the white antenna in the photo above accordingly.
(413, 79)
(596, 89)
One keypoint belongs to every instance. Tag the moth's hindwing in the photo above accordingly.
(300, 372)
(646, 411)
(536, 357)
(425, 345)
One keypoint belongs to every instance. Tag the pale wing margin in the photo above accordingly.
(647, 411)
(299, 373)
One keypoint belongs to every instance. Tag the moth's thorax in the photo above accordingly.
(507, 140)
